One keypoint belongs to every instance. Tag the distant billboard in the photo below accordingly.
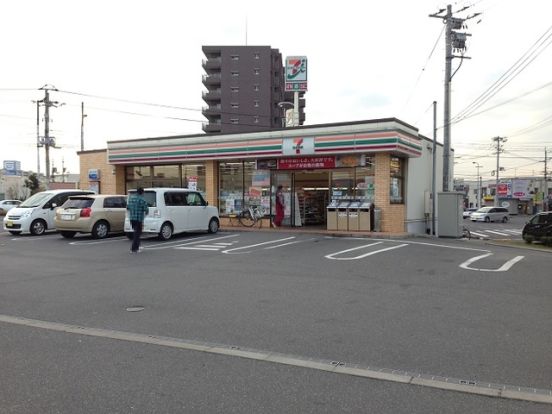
(12, 167)
(296, 73)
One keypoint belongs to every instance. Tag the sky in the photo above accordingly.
(366, 60)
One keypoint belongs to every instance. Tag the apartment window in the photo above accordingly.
(235, 106)
(256, 104)
(234, 121)
(257, 56)
(235, 57)
(235, 88)
(256, 71)
(235, 74)
(256, 88)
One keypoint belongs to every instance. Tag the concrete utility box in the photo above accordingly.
(343, 215)
(449, 219)
(331, 216)
(364, 216)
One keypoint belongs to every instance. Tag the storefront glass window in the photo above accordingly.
(364, 179)
(138, 176)
(166, 176)
(230, 187)
(342, 183)
(396, 180)
(193, 176)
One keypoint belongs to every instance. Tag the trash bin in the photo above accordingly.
(343, 215)
(353, 215)
(377, 219)
(364, 216)
(331, 216)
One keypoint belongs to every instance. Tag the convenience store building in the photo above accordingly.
(384, 163)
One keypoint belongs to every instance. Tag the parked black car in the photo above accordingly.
(539, 228)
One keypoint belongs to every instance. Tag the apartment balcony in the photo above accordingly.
(214, 95)
(211, 127)
(211, 79)
(212, 110)
(212, 63)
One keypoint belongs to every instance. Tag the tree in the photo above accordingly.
(32, 183)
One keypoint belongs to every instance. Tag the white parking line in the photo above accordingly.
(506, 266)
(496, 232)
(287, 244)
(102, 241)
(230, 251)
(332, 256)
(178, 243)
(479, 234)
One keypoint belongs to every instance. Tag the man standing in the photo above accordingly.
(137, 208)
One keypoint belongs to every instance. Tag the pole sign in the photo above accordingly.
(296, 74)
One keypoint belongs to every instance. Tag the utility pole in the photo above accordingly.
(433, 172)
(48, 140)
(478, 166)
(545, 196)
(83, 115)
(499, 149)
(38, 144)
(453, 41)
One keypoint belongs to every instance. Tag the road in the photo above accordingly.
(498, 230)
(272, 322)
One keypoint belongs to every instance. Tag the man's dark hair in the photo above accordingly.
(140, 190)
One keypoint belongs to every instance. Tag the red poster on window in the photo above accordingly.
(306, 163)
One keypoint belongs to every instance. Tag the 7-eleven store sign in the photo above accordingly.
(298, 146)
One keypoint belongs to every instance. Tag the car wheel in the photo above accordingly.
(68, 234)
(100, 230)
(487, 219)
(166, 231)
(15, 233)
(505, 219)
(38, 227)
(213, 226)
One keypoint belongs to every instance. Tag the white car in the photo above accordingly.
(7, 205)
(175, 210)
(488, 214)
(468, 212)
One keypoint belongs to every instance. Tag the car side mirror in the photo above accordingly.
(54, 205)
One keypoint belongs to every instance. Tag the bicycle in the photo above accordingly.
(251, 215)
(466, 234)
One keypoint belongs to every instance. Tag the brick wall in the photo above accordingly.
(392, 215)
(110, 183)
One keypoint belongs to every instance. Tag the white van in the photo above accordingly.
(175, 210)
(36, 214)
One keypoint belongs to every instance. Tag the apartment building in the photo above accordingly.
(245, 89)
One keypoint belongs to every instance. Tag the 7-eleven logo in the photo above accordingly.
(297, 145)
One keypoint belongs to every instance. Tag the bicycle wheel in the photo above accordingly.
(246, 219)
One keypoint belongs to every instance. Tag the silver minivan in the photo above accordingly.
(175, 210)
(488, 214)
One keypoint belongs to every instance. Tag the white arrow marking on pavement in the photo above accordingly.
(332, 256)
(506, 266)
(229, 251)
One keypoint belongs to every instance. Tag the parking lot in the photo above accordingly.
(445, 309)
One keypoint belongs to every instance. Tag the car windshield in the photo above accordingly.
(149, 196)
(35, 200)
(78, 203)
(484, 210)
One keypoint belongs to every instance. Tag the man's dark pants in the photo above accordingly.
(137, 227)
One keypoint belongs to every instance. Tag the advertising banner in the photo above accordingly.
(520, 189)
(502, 189)
(301, 163)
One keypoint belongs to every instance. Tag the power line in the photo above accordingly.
(529, 56)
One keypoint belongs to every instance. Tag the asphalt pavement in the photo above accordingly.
(272, 322)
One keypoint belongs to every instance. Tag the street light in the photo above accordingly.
(291, 105)
(477, 165)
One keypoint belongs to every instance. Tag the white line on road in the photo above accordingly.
(338, 366)
(496, 232)
(506, 266)
(479, 234)
(178, 243)
(287, 244)
(513, 231)
(210, 248)
(332, 256)
(102, 241)
(230, 251)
